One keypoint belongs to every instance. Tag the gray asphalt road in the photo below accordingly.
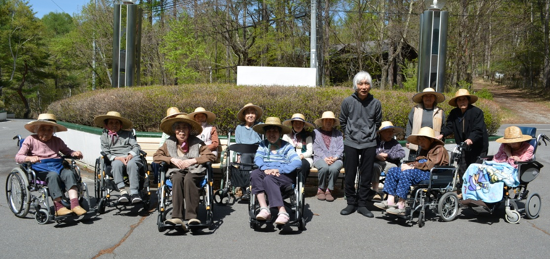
(328, 234)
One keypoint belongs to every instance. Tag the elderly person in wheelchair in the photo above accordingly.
(277, 162)
(185, 154)
(42, 149)
(121, 148)
(399, 180)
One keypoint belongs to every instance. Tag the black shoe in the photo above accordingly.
(348, 210)
(136, 198)
(124, 198)
(365, 212)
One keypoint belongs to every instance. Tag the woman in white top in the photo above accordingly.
(301, 139)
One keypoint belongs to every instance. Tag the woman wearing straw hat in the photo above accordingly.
(209, 133)
(388, 152)
(399, 180)
(277, 162)
(425, 114)
(42, 149)
(121, 148)
(515, 147)
(360, 117)
(328, 148)
(185, 154)
(249, 115)
(170, 113)
(301, 139)
(467, 124)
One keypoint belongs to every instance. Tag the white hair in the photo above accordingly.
(362, 75)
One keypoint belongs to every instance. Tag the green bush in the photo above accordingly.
(146, 106)
(2, 106)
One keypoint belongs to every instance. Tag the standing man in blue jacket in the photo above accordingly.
(360, 117)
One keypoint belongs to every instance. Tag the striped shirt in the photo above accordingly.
(285, 158)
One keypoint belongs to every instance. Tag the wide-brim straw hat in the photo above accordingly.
(327, 115)
(388, 125)
(271, 121)
(259, 112)
(166, 125)
(439, 97)
(298, 117)
(460, 93)
(210, 116)
(424, 132)
(45, 119)
(100, 120)
(513, 134)
(172, 112)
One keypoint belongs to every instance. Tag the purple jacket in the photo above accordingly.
(394, 150)
(320, 150)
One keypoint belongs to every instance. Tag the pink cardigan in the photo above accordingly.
(43, 150)
(524, 152)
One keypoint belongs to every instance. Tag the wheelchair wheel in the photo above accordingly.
(101, 205)
(513, 218)
(42, 216)
(17, 193)
(97, 180)
(447, 207)
(532, 206)
(160, 222)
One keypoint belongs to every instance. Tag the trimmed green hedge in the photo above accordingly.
(146, 106)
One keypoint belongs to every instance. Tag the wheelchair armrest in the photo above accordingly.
(532, 162)
(163, 166)
(142, 153)
(486, 158)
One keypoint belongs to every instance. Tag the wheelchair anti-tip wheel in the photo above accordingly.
(532, 206)
(17, 195)
(447, 207)
(42, 216)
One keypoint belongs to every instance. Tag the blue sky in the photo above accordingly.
(43, 7)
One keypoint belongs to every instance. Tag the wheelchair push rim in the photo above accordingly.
(17, 193)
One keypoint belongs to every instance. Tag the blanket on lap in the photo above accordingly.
(486, 181)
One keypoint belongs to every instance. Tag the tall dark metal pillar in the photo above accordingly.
(433, 49)
(126, 62)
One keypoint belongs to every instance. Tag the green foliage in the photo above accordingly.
(145, 106)
(411, 78)
(185, 54)
(2, 106)
(58, 23)
(484, 93)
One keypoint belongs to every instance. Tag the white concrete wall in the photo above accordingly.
(281, 76)
(87, 143)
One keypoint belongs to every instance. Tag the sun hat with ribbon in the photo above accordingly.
(45, 119)
(172, 112)
(100, 120)
(439, 97)
(259, 111)
(424, 132)
(513, 134)
(388, 125)
(271, 121)
(166, 125)
(298, 117)
(327, 115)
(460, 93)
(210, 116)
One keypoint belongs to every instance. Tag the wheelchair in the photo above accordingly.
(164, 195)
(235, 174)
(517, 201)
(294, 202)
(105, 184)
(437, 194)
(27, 193)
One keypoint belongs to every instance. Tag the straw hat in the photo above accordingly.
(100, 120)
(388, 125)
(271, 121)
(327, 115)
(417, 98)
(462, 92)
(45, 119)
(259, 112)
(172, 112)
(210, 116)
(513, 134)
(424, 132)
(166, 125)
(298, 117)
